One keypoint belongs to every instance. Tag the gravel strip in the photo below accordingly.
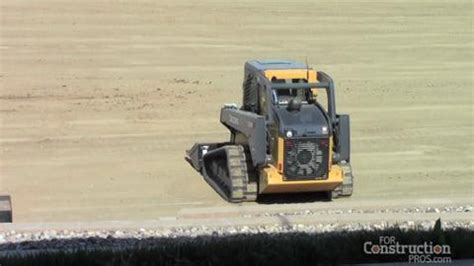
(51, 239)
(73, 239)
(418, 210)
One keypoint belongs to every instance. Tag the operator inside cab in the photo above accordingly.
(284, 96)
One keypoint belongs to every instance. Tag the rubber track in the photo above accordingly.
(348, 181)
(229, 176)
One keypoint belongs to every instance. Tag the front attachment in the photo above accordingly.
(195, 154)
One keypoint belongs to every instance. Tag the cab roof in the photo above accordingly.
(262, 65)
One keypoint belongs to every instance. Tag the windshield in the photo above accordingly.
(283, 96)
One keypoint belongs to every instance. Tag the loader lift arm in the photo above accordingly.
(252, 126)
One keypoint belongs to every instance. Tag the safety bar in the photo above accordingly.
(326, 83)
(282, 86)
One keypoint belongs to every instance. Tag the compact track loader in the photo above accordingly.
(282, 140)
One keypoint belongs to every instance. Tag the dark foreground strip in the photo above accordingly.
(240, 249)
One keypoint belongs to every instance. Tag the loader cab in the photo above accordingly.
(258, 97)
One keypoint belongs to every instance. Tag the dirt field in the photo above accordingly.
(100, 99)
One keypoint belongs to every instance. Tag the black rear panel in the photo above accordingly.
(306, 158)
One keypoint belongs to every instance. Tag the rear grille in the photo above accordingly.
(306, 158)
